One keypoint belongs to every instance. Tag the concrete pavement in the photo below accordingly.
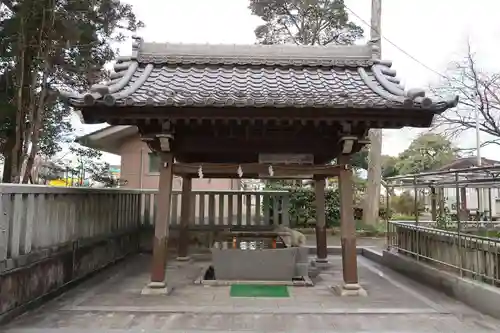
(112, 303)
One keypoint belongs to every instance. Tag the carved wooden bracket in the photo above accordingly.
(348, 144)
(165, 141)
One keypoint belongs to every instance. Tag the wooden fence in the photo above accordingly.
(220, 209)
(38, 217)
(34, 218)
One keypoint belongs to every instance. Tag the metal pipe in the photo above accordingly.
(415, 202)
(457, 194)
(479, 181)
(490, 208)
(415, 208)
(444, 172)
(387, 215)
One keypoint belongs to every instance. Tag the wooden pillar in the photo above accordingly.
(162, 222)
(321, 246)
(433, 204)
(347, 224)
(182, 250)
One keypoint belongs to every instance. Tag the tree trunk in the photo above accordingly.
(37, 106)
(372, 196)
(22, 101)
(7, 160)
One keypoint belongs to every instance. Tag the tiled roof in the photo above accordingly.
(254, 76)
(467, 162)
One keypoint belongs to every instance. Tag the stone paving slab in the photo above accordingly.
(125, 292)
(127, 322)
(245, 309)
(112, 303)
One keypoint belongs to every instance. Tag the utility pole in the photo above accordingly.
(372, 196)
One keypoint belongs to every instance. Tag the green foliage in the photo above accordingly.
(389, 168)
(360, 159)
(427, 152)
(405, 204)
(302, 207)
(385, 214)
(402, 217)
(304, 22)
(444, 219)
(90, 165)
(56, 129)
(56, 44)
(370, 230)
(486, 233)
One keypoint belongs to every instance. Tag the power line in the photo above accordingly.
(399, 48)
(461, 89)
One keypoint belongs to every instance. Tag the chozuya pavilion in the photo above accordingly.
(218, 108)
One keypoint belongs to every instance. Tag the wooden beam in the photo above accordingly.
(255, 170)
(283, 144)
(124, 114)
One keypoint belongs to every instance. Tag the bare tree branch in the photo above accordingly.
(479, 92)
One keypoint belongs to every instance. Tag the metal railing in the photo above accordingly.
(453, 225)
(469, 255)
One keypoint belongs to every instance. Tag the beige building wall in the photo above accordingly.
(136, 171)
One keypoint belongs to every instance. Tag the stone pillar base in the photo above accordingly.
(155, 288)
(353, 289)
(322, 263)
(187, 258)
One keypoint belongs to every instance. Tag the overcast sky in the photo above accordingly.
(432, 31)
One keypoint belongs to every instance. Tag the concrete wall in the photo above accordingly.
(30, 277)
(480, 296)
(135, 170)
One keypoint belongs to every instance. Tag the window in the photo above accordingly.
(154, 163)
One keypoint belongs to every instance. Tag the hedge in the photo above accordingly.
(302, 207)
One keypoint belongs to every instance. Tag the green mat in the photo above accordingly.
(256, 290)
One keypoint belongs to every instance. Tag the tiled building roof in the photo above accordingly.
(180, 75)
(467, 162)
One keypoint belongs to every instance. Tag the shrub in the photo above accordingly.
(302, 207)
(405, 204)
